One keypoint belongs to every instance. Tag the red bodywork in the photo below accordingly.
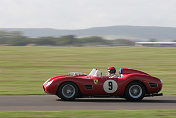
(96, 88)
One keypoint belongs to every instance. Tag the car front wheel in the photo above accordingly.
(135, 91)
(68, 91)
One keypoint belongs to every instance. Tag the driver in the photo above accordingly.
(111, 72)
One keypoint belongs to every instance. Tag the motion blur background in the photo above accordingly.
(43, 38)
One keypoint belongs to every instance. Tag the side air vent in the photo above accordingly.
(88, 86)
(152, 85)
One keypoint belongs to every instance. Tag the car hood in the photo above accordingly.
(68, 76)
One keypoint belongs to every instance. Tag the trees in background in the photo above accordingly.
(13, 38)
(16, 38)
(123, 42)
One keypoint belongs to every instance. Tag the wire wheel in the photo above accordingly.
(68, 91)
(135, 91)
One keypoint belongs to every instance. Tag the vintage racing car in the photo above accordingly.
(131, 84)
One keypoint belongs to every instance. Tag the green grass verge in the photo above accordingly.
(23, 70)
(93, 114)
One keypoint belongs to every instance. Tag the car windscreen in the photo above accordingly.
(93, 72)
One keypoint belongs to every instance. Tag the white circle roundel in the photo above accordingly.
(110, 86)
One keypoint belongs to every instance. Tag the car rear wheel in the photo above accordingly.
(135, 91)
(68, 91)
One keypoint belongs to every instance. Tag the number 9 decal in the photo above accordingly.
(110, 86)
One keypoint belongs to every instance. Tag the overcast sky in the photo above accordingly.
(78, 14)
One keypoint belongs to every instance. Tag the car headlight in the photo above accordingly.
(161, 81)
(49, 83)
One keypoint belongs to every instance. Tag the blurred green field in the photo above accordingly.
(23, 70)
(92, 114)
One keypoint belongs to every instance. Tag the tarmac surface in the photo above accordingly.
(53, 103)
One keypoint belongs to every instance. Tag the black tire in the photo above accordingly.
(64, 94)
(135, 91)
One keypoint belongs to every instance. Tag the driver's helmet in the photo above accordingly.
(111, 70)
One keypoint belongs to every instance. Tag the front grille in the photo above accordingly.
(152, 85)
(43, 88)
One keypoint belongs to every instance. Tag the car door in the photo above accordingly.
(105, 85)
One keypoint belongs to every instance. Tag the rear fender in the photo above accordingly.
(142, 78)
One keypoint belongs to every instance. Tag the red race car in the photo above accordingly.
(131, 84)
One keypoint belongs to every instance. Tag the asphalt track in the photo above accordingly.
(53, 103)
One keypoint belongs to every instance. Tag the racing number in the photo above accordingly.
(110, 85)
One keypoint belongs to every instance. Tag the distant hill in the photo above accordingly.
(110, 32)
